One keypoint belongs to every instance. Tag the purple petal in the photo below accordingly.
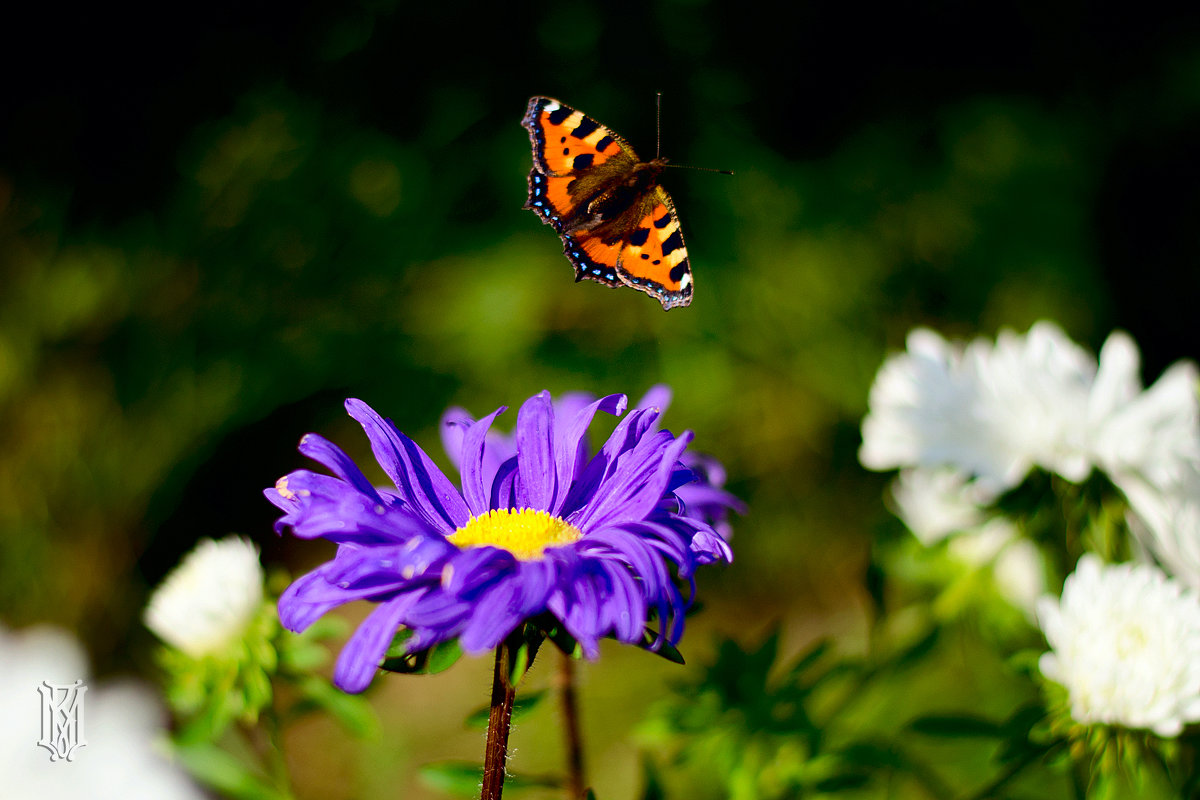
(636, 484)
(438, 616)
(422, 485)
(657, 397)
(710, 470)
(472, 467)
(577, 606)
(472, 569)
(324, 506)
(419, 558)
(667, 540)
(701, 496)
(497, 613)
(709, 547)
(360, 657)
(624, 606)
(570, 448)
(453, 427)
(310, 596)
(504, 486)
(325, 452)
(624, 437)
(645, 560)
(535, 453)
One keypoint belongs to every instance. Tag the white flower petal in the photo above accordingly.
(934, 503)
(207, 601)
(1125, 642)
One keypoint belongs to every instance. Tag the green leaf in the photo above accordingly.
(521, 706)
(814, 654)
(653, 785)
(557, 634)
(350, 710)
(299, 655)
(218, 769)
(957, 726)
(429, 661)
(1025, 719)
(665, 650)
(461, 778)
(842, 782)
(872, 755)
(918, 650)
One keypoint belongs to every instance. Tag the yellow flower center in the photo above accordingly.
(525, 533)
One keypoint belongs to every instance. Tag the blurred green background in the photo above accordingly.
(217, 224)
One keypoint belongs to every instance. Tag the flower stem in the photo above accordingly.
(576, 784)
(499, 718)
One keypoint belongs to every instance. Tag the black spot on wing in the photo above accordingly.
(603, 144)
(585, 128)
(639, 237)
(583, 161)
(672, 243)
(559, 114)
(679, 270)
(663, 221)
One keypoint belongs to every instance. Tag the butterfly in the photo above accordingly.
(618, 225)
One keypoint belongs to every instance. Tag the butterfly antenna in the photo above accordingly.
(658, 144)
(700, 169)
(658, 127)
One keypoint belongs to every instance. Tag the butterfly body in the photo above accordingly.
(618, 225)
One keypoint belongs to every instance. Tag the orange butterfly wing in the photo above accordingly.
(618, 226)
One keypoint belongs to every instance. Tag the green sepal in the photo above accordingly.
(429, 661)
(523, 647)
(664, 650)
(556, 632)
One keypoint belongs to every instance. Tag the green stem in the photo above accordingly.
(576, 783)
(495, 752)
(277, 761)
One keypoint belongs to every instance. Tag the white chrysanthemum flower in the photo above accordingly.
(938, 503)
(1166, 522)
(1125, 642)
(990, 410)
(206, 602)
(925, 411)
(1034, 392)
(123, 724)
(935, 503)
(995, 410)
(1151, 435)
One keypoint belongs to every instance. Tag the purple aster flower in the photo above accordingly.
(538, 527)
(704, 497)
